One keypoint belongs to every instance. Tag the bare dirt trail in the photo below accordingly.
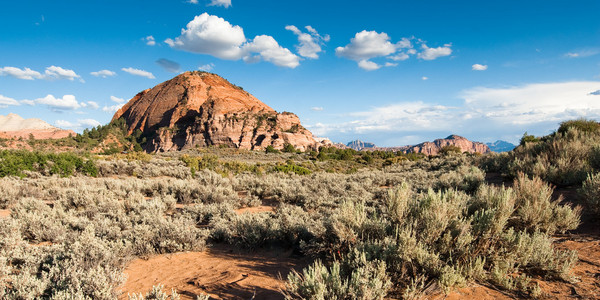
(223, 272)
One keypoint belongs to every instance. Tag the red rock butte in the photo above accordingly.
(202, 109)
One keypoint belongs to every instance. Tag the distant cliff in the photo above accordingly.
(360, 145)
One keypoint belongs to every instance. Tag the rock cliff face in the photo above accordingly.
(360, 145)
(433, 148)
(203, 109)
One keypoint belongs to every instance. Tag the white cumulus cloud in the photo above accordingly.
(103, 73)
(67, 102)
(138, 72)
(89, 123)
(479, 67)
(207, 34)
(26, 73)
(368, 65)
(310, 43)
(316, 108)
(212, 35)
(54, 72)
(79, 125)
(366, 45)
(269, 50)
(428, 53)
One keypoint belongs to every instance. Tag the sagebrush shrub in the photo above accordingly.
(590, 191)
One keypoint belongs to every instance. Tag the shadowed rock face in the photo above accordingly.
(203, 109)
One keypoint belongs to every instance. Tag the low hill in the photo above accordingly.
(14, 126)
(203, 109)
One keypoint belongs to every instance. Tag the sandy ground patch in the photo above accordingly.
(4, 213)
(223, 272)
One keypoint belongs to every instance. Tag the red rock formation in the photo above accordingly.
(433, 148)
(202, 109)
(13, 126)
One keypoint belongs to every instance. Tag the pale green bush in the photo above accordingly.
(536, 211)
(590, 191)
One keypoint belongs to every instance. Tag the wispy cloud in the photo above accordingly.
(583, 53)
(138, 72)
(117, 99)
(530, 107)
(6, 101)
(51, 73)
(224, 3)
(310, 41)
(103, 73)
(207, 67)
(169, 65)
(113, 108)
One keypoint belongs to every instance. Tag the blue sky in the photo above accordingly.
(388, 72)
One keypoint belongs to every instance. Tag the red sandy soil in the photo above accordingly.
(476, 292)
(4, 213)
(223, 272)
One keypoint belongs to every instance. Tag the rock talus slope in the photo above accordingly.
(202, 109)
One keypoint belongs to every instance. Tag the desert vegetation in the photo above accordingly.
(374, 224)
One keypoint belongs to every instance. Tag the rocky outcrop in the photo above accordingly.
(433, 148)
(14, 126)
(197, 109)
(360, 145)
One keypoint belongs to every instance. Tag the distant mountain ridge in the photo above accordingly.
(14, 126)
(431, 148)
(501, 146)
(360, 145)
(434, 148)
